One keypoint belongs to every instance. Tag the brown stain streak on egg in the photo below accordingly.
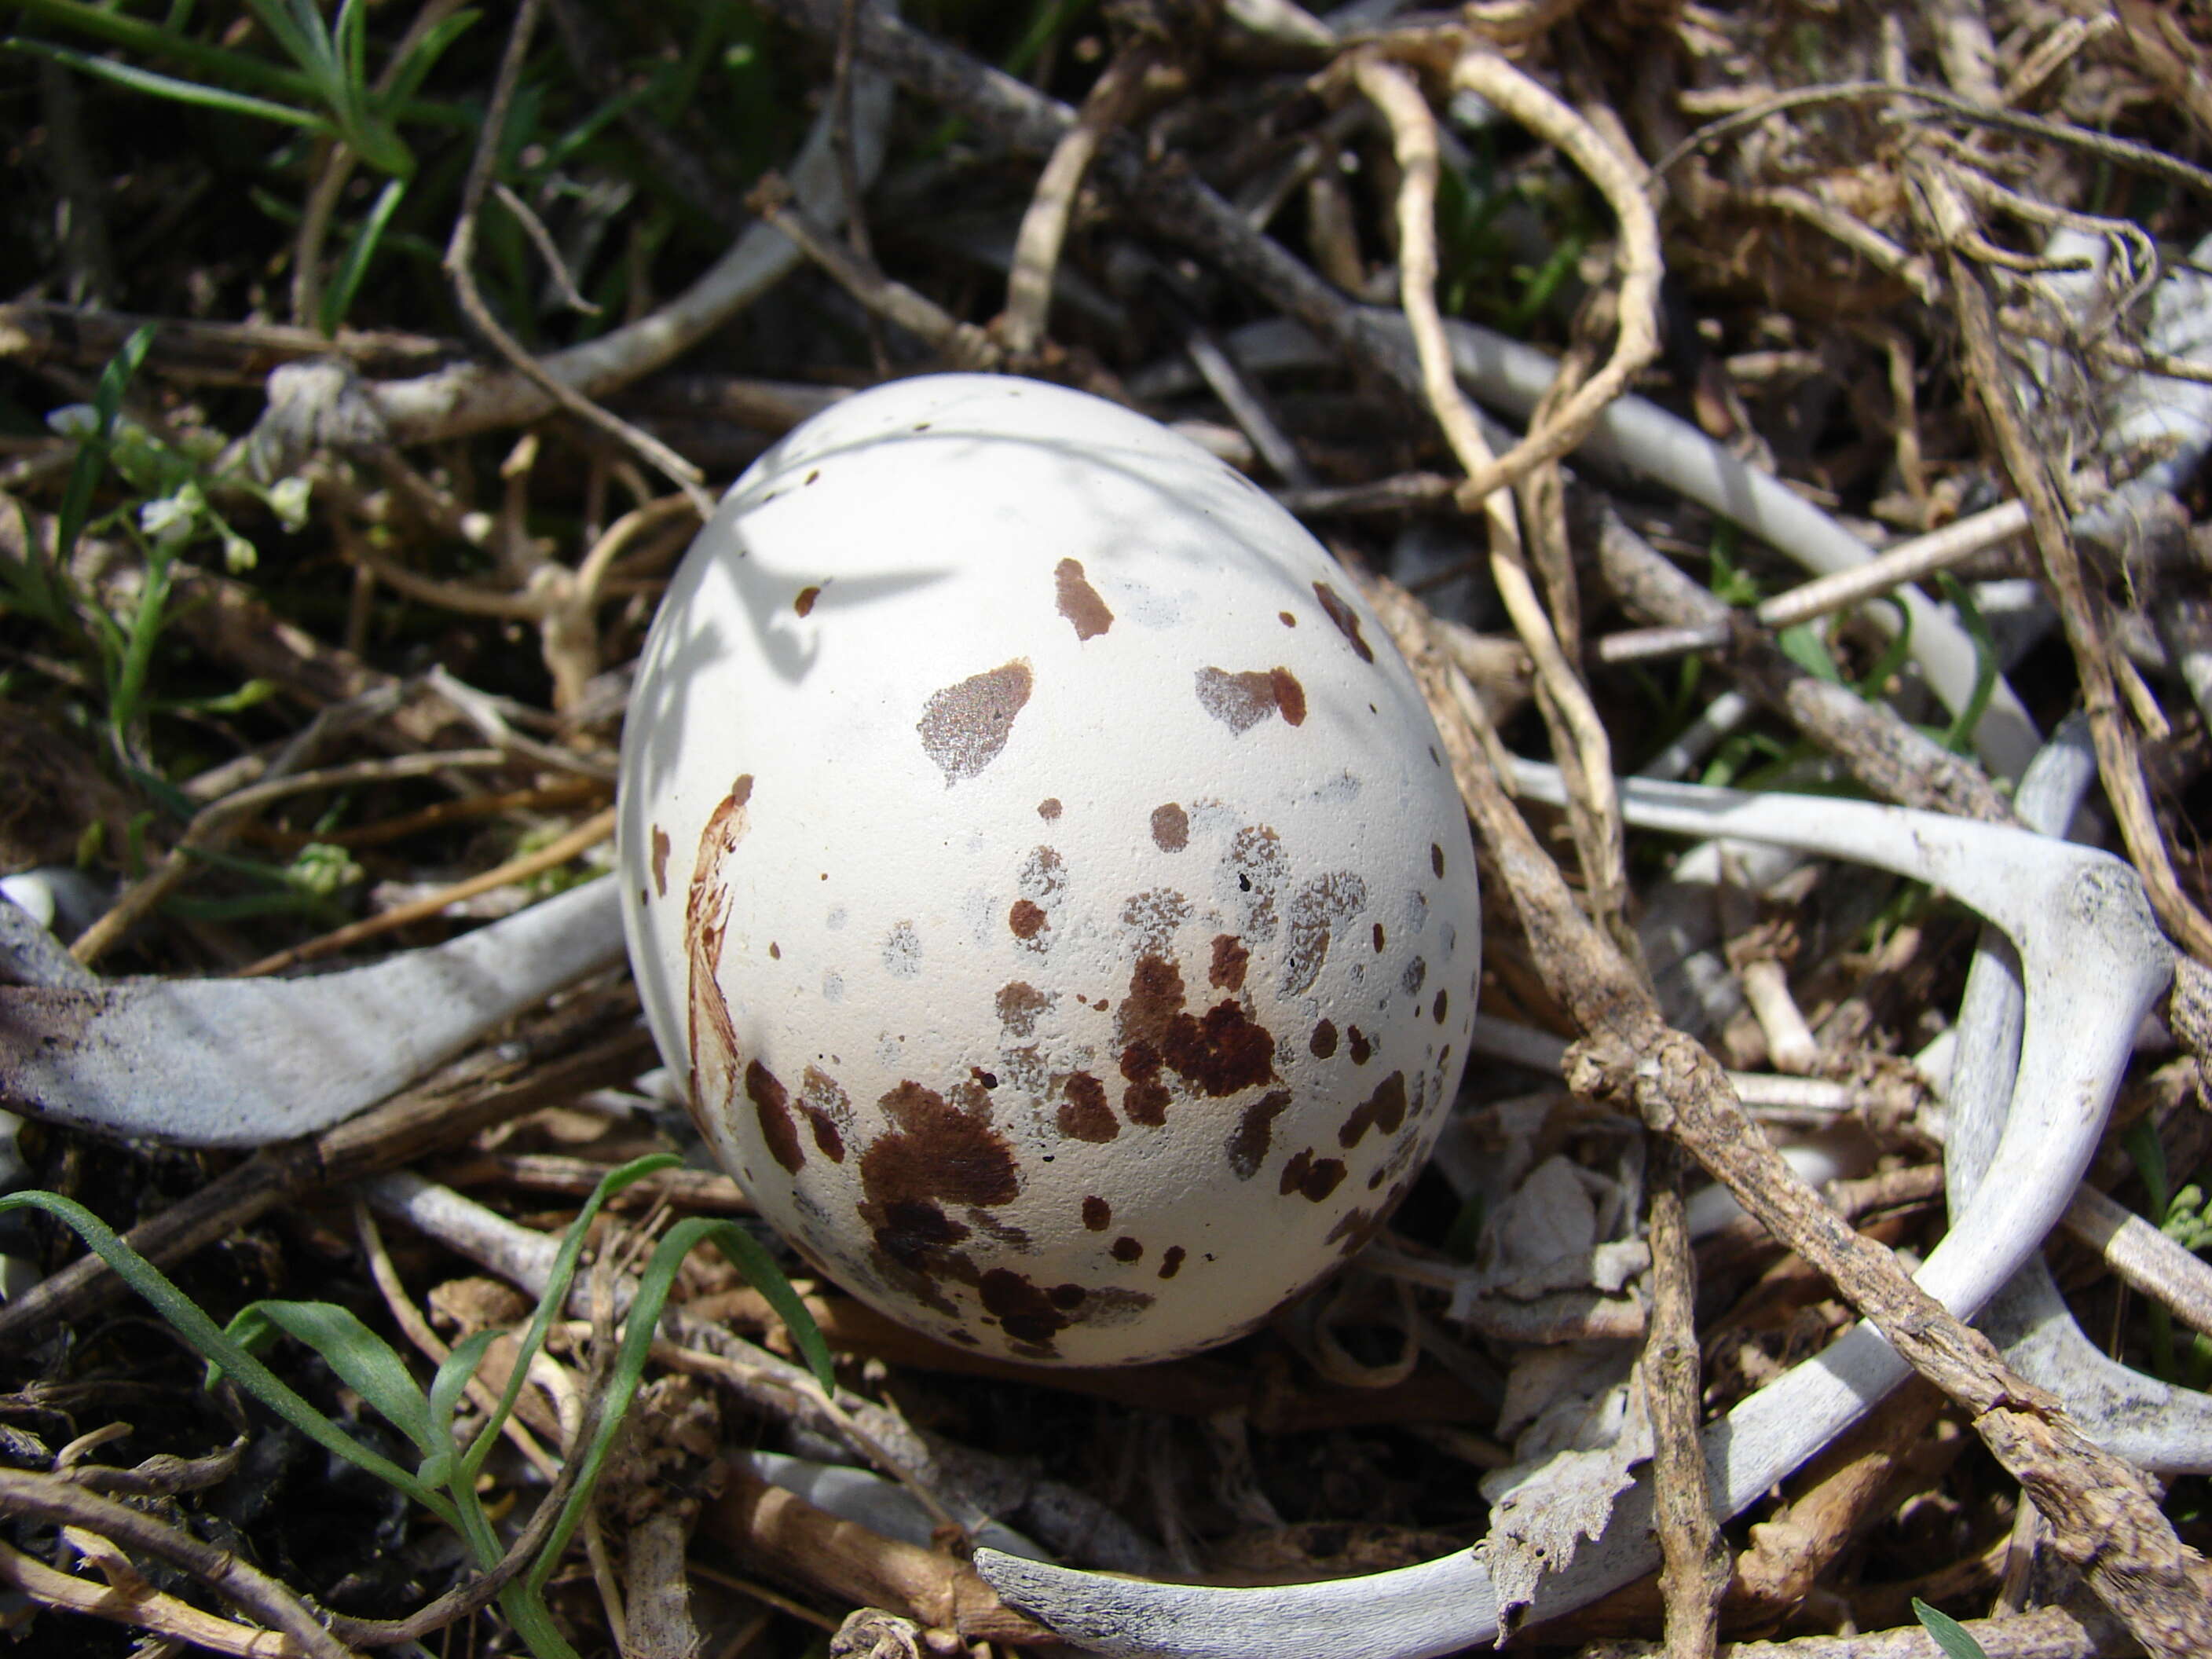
(1170, 827)
(964, 727)
(1079, 601)
(772, 1105)
(1347, 622)
(804, 603)
(1385, 1110)
(1311, 1178)
(1248, 1148)
(712, 1036)
(1241, 702)
(1231, 958)
(661, 847)
(1317, 908)
(1084, 1113)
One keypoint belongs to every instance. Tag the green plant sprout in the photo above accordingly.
(444, 1476)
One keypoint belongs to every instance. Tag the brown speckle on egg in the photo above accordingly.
(1385, 1110)
(661, 847)
(1084, 1113)
(804, 604)
(1322, 1043)
(964, 727)
(775, 951)
(1097, 1214)
(1347, 621)
(1437, 1012)
(1231, 958)
(772, 1105)
(1310, 1177)
(1049, 808)
(1248, 1146)
(1286, 619)
(1171, 1262)
(1126, 1248)
(1170, 827)
(1437, 858)
(1363, 1051)
(1241, 702)
(1079, 601)
(1318, 906)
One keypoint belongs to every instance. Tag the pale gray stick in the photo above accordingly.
(233, 1062)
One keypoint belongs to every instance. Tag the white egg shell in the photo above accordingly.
(1045, 873)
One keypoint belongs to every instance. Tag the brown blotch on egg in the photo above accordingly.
(1231, 958)
(1019, 1003)
(1079, 602)
(1378, 939)
(1439, 1010)
(1049, 808)
(937, 1151)
(1097, 1214)
(964, 727)
(1027, 1314)
(1126, 1248)
(804, 603)
(1322, 1043)
(1311, 1178)
(1241, 702)
(1385, 1110)
(775, 951)
(1171, 1263)
(772, 1105)
(1170, 827)
(1026, 919)
(1435, 858)
(1347, 621)
(1220, 1055)
(1084, 1113)
(1247, 1148)
(1362, 1049)
(661, 847)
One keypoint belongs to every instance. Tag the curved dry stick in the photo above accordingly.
(2093, 963)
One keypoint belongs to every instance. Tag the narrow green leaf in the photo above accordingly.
(556, 1297)
(338, 299)
(1803, 646)
(167, 86)
(92, 453)
(748, 1257)
(407, 79)
(1959, 737)
(215, 1344)
(638, 1331)
(446, 1390)
(364, 1361)
(1948, 1632)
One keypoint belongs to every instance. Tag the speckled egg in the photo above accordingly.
(1045, 873)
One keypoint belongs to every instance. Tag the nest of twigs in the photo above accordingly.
(367, 372)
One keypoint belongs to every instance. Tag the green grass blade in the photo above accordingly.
(556, 1297)
(117, 28)
(1959, 736)
(216, 1345)
(638, 1331)
(92, 453)
(168, 87)
(338, 299)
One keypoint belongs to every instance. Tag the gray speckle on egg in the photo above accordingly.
(1133, 819)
